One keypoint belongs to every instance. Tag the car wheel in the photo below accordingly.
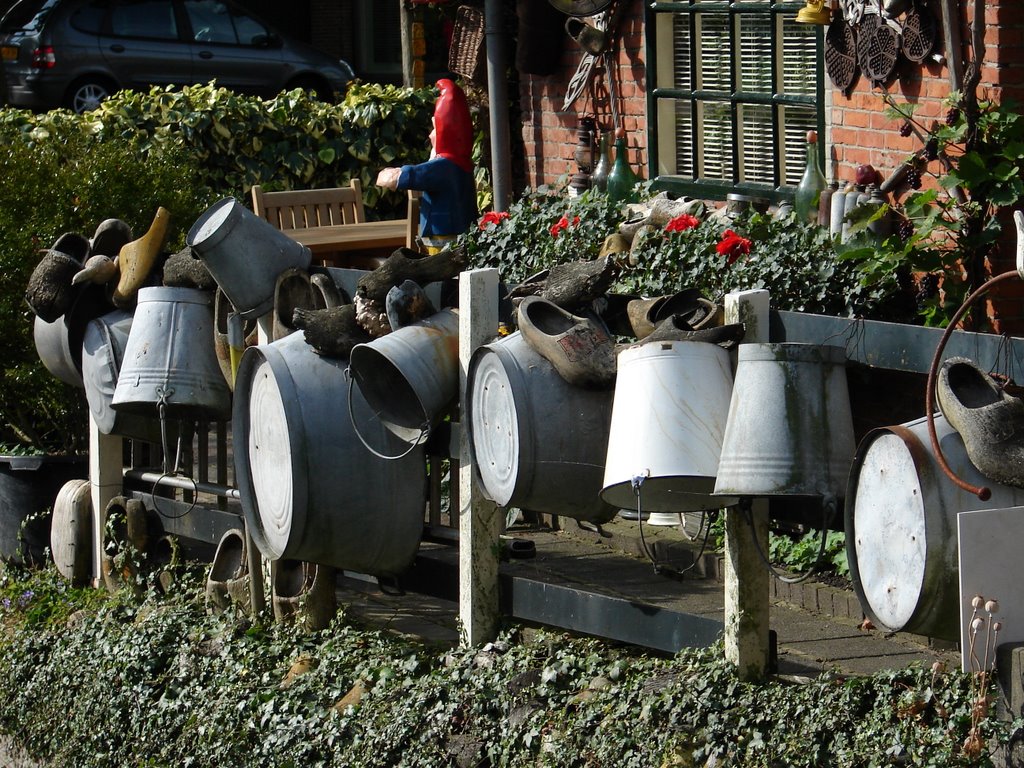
(87, 94)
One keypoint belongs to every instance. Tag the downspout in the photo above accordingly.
(497, 88)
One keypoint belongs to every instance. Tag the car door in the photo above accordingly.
(143, 46)
(234, 48)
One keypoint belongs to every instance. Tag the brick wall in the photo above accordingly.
(860, 131)
(549, 132)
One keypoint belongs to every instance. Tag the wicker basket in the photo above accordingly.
(467, 57)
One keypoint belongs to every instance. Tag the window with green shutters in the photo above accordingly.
(733, 88)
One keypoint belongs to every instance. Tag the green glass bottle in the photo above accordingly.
(808, 192)
(621, 179)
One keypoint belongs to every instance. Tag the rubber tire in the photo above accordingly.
(87, 93)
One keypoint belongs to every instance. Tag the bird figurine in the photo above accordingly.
(98, 269)
(407, 303)
(332, 332)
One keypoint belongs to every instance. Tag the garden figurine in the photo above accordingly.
(448, 205)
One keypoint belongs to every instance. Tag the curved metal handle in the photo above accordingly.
(424, 431)
(982, 492)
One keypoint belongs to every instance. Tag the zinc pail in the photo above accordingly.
(539, 442)
(102, 352)
(169, 359)
(790, 428)
(245, 254)
(309, 488)
(668, 420)
(410, 376)
(901, 526)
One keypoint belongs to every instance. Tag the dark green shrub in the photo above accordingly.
(60, 178)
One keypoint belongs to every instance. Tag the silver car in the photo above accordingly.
(75, 53)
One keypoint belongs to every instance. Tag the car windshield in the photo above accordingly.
(24, 15)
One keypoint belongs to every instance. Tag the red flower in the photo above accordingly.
(681, 223)
(492, 217)
(732, 246)
(563, 223)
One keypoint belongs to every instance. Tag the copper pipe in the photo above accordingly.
(982, 492)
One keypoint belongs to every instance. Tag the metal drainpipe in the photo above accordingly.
(497, 87)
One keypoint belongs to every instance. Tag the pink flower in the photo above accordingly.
(681, 223)
(732, 246)
(492, 217)
(563, 223)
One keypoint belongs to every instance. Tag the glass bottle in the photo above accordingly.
(621, 179)
(808, 192)
(599, 178)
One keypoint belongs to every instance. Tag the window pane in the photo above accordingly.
(756, 53)
(682, 42)
(756, 144)
(210, 22)
(714, 57)
(717, 141)
(152, 19)
(796, 122)
(799, 51)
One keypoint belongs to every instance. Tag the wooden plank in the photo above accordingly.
(747, 603)
(897, 346)
(366, 235)
(105, 475)
(480, 521)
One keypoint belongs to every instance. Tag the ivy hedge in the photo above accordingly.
(154, 680)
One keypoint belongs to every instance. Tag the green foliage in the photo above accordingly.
(60, 178)
(523, 244)
(798, 554)
(797, 264)
(158, 681)
(946, 232)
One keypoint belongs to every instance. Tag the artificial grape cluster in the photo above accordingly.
(906, 229)
(906, 130)
(952, 116)
(931, 149)
(913, 178)
(927, 287)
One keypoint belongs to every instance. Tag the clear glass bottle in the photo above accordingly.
(599, 178)
(808, 192)
(621, 179)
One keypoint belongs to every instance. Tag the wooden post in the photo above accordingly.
(406, 29)
(106, 476)
(479, 521)
(746, 578)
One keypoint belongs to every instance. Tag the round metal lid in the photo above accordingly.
(270, 460)
(889, 531)
(581, 7)
(494, 426)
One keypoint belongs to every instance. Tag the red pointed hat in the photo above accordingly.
(453, 127)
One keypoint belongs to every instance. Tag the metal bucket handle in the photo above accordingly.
(164, 396)
(424, 430)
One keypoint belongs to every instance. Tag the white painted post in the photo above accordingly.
(746, 577)
(106, 477)
(479, 521)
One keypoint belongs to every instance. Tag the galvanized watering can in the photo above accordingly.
(245, 254)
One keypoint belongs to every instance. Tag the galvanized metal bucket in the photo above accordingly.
(169, 366)
(411, 376)
(245, 254)
(790, 429)
(102, 352)
(668, 420)
(538, 442)
(901, 526)
(59, 344)
(310, 491)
